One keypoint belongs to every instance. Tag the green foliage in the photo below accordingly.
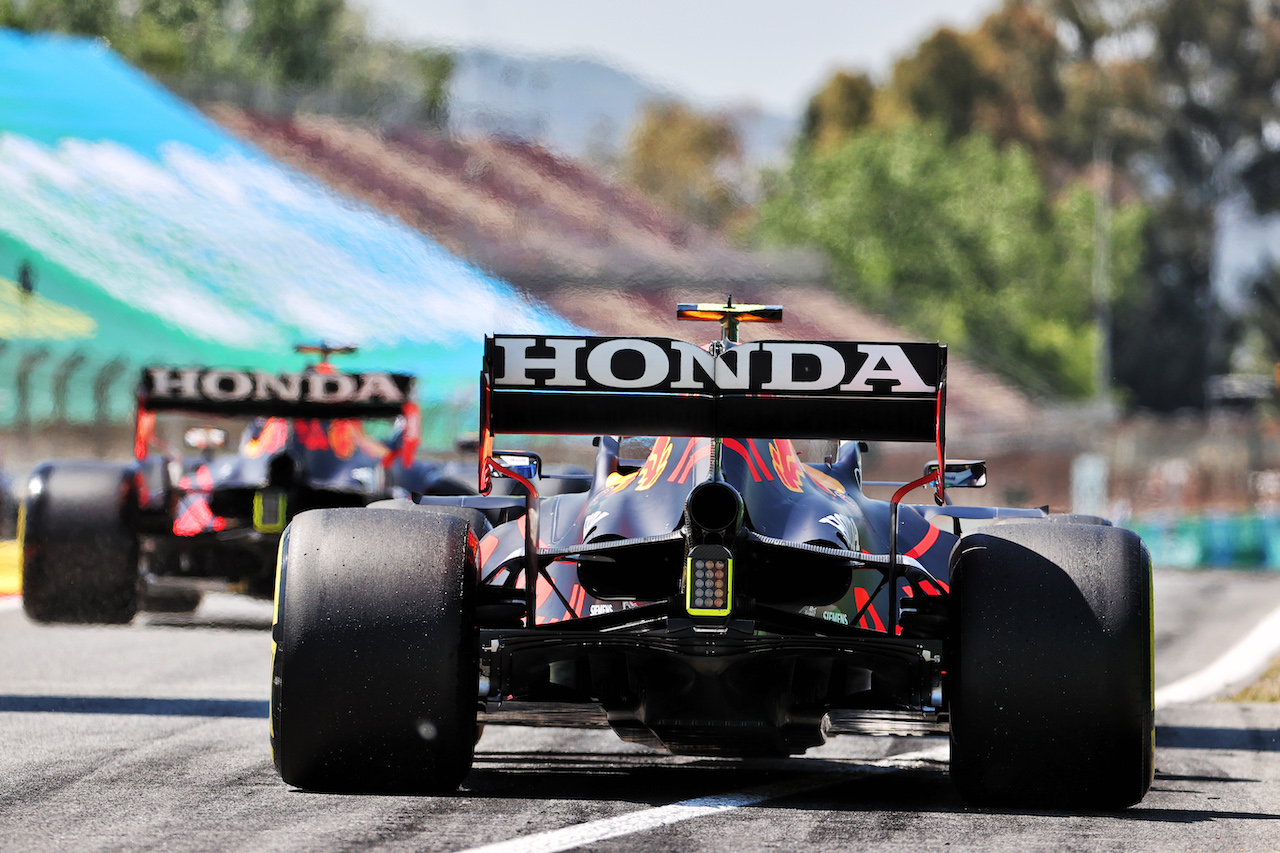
(959, 242)
(1186, 118)
(943, 82)
(307, 44)
(1003, 79)
(679, 156)
(844, 105)
(297, 38)
(85, 17)
(435, 69)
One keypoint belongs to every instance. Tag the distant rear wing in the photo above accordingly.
(307, 394)
(774, 389)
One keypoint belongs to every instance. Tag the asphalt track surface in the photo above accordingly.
(153, 737)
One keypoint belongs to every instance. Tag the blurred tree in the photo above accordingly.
(13, 16)
(1002, 79)
(843, 105)
(684, 159)
(298, 39)
(1196, 121)
(942, 82)
(435, 70)
(1175, 100)
(1020, 54)
(958, 241)
(179, 36)
(98, 18)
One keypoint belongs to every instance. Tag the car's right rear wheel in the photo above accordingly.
(375, 666)
(1049, 677)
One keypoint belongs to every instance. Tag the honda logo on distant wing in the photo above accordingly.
(196, 385)
(659, 364)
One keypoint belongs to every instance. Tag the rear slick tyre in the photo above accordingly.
(375, 664)
(79, 554)
(1050, 667)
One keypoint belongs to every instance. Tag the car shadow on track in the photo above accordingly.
(660, 780)
(1198, 737)
(252, 622)
(244, 708)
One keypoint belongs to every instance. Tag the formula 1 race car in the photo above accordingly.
(102, 540)
(718, 596)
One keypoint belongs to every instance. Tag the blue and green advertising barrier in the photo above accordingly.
(1214, 540)
(134, 231)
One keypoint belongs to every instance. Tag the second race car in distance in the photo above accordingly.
(720, 596)
(102, 540)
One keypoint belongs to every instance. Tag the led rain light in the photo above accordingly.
(269, 510)
(708, 581)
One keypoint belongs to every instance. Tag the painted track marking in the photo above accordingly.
(1246, 658)
(599, 830)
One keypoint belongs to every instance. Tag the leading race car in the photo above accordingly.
(102, 540)
(719, 596)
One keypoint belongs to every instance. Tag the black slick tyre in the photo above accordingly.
(79, 553)
(375, 667)
(1049, 680)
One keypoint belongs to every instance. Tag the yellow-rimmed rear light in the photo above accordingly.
(708, 581)
(269, 508)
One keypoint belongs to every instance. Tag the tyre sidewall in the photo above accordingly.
(375, 651)
(1050, 673)
(79, 550)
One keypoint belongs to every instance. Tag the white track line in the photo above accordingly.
(1241, 661)
(10, 602)
(627, 824)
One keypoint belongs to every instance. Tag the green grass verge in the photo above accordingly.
(1265, 689)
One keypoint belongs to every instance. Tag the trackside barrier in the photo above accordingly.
(1215, 540)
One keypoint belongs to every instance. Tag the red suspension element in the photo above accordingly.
(144, 430)
(940, 494)
(914, 484)
(492, 465)
(412, 434)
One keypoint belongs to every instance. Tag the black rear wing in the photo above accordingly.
(775, 389)
(316, 393)
(566, 385)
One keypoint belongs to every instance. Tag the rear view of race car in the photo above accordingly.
(102, 540)
(717, 595)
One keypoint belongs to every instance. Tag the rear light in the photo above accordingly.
(269, 508)
(708, 581)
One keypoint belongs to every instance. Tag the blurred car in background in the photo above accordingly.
(103, 540)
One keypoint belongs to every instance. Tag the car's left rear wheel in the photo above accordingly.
(79, 554)
(375, 666)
